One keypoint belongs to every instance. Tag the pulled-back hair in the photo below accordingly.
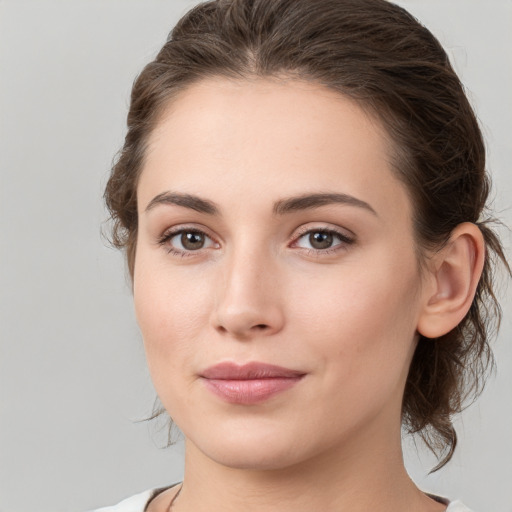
(380, 56)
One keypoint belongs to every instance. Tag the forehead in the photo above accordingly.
(236, 114)
(280, 136)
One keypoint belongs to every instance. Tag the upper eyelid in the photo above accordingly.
(172, 232)
(298, 233)
(344, 241)
(175, 230)
(343, 232)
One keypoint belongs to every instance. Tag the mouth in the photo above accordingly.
(250, 383)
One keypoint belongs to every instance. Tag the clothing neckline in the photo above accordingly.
(160, 490)
(439, 499)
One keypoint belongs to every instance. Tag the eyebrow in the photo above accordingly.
(187, 200)
(307, 201)
(281, 207)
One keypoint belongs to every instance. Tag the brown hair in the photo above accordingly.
(380, 56)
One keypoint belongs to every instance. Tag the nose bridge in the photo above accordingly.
(248, 294)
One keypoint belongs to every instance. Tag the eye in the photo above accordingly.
(183, 241)
(322, 240)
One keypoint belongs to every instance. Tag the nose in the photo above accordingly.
(248, 300)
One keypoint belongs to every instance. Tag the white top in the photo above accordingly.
(135, 503)
(138, 502)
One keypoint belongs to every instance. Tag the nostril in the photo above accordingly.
(260, 327)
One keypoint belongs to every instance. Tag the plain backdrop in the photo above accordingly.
(73, 381)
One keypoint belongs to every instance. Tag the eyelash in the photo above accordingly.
(169, 235)
(345, 241)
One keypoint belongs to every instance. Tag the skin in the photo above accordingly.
(346, 316)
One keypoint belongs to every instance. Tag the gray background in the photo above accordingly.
(72, 373)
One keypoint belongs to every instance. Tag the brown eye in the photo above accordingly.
(186, 241)
(192, 240)
(323, 240)
(320, 239)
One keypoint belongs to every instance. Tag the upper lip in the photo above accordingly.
(248, 371)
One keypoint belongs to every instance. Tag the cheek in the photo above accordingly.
(362, 321)
(171, 311)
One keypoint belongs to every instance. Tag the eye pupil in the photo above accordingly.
(192, 240)
(320, 240)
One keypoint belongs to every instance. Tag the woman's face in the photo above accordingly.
(272, 230)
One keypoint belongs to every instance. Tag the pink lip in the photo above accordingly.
(250, 383)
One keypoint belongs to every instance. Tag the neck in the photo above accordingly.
(364, 476)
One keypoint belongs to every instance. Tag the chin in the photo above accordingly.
(256, 458)
(253, 448)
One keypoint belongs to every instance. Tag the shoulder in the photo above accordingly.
(452, 506)
(136, 503)
(457, 506)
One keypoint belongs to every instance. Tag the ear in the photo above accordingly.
(452, 280)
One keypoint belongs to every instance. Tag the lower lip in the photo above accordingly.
(251, 391)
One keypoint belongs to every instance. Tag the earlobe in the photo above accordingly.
(454, 276)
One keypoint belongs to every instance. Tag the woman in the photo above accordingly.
(301, 196)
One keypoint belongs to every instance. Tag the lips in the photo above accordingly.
(250, 383)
